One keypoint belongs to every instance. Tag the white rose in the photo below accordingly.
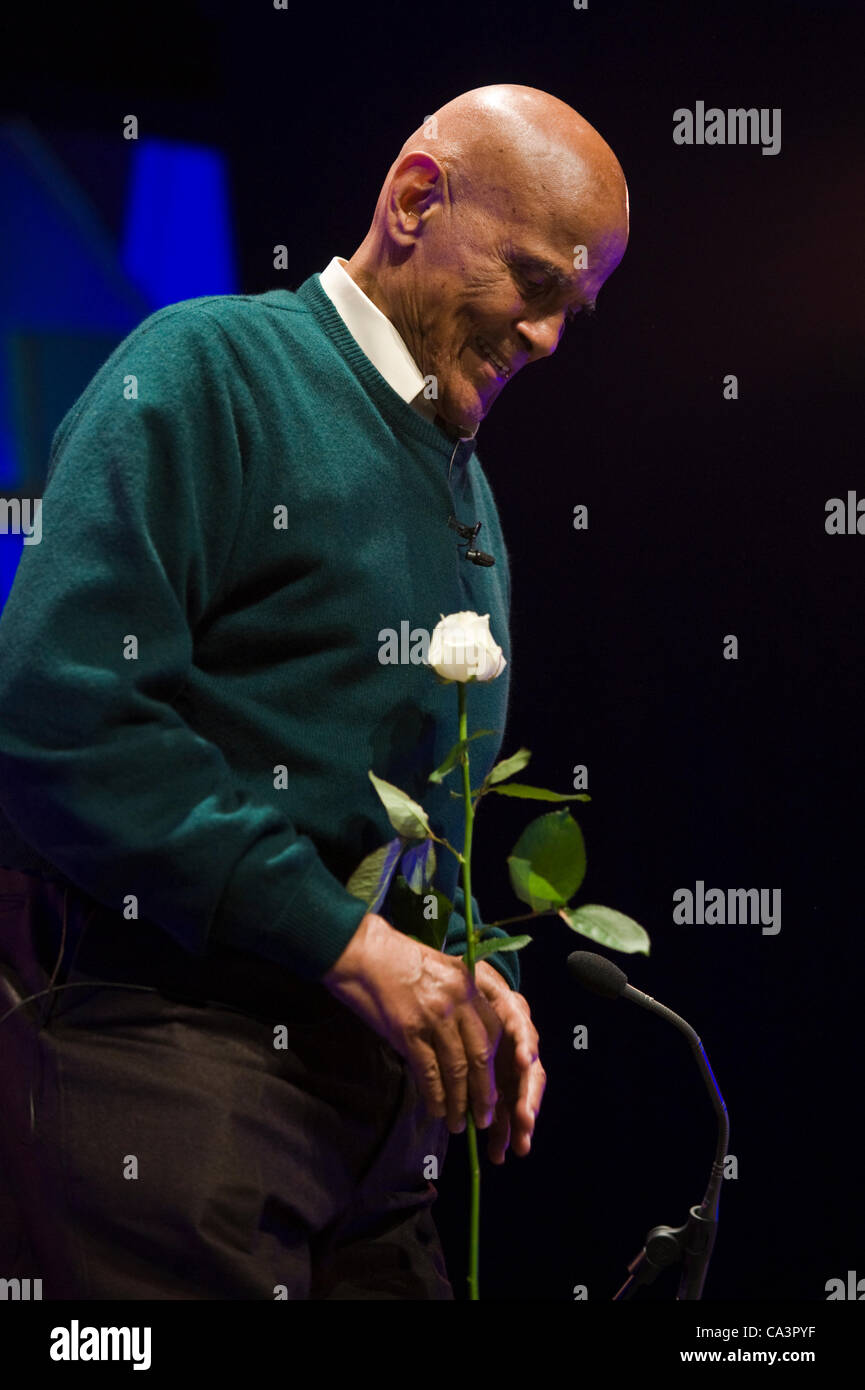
(462, 648)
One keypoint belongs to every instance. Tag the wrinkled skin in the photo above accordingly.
(471, 250)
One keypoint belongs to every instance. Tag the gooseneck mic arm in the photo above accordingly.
(667, 1245)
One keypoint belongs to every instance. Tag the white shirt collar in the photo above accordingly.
(376, 336)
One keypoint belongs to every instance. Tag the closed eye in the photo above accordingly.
(545, 286)
(542, 288)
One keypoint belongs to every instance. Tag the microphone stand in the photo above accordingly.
(692, 1243)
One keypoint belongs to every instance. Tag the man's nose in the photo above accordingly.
(542, 336)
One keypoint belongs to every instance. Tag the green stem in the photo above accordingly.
(467, 849)
(474, 1165)
(440, 840)
(523, 917)
(475, 1206)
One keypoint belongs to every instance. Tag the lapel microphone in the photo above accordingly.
(469, 533)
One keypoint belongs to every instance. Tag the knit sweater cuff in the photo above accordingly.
(307, 934)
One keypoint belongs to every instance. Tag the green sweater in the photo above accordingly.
(237, 507)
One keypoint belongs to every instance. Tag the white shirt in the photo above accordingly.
(376, 336)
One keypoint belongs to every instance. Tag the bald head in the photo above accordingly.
(497, 136)
(500, 218)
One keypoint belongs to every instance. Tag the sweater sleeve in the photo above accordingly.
(98, 770)
(506, 963)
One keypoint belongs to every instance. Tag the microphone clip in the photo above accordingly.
(469, 533)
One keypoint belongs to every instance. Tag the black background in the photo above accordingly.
(706, 518)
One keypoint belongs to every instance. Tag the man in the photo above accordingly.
(234, 1076)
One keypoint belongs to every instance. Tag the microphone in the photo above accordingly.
(597, 974)
(469, 533)
(665, 1245)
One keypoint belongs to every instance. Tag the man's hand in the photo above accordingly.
(426, 1006)
(519, 1075)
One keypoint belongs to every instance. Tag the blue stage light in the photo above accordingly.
(178, 242)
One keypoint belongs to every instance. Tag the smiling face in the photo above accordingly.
(495, 289)
(473, 249)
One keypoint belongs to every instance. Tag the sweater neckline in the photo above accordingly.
(392, 405)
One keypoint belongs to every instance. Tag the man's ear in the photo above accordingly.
(416, 191)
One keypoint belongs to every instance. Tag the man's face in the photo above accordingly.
(495, 289)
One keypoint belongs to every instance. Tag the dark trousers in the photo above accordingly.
(223, 1130)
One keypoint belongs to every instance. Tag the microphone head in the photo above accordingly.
(598, 974)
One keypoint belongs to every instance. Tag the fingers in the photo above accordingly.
(454, 1065)
(521, 1079)
(499, 1136)
(453, 1062)
(532, 1082)
(480, 1053)
(425, 1065)
(536, 1087)
(484, 1054)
